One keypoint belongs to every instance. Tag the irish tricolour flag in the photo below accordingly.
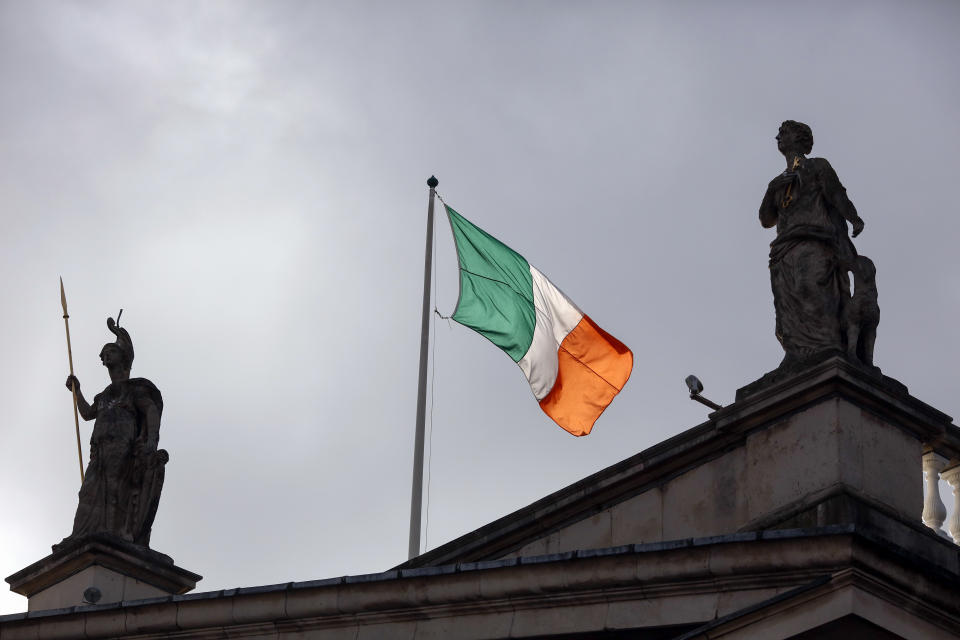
(574, 367)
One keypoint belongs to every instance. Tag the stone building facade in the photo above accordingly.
(794, 513)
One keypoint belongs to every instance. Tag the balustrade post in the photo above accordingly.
(952, 475)
(934, 511)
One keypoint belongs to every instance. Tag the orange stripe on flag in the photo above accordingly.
(594, 366)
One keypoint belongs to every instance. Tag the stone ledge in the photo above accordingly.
(142, 564)
(837, 376)
(671, 583)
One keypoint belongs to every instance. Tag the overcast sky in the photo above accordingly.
(247, 181)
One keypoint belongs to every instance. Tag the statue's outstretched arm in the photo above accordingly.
(836, 196)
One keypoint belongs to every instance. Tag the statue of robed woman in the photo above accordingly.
(812, 257)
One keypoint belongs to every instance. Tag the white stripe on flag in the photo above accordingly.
(556, 317)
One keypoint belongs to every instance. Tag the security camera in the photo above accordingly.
(694, 385)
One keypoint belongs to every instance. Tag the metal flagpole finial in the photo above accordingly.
(432, 182)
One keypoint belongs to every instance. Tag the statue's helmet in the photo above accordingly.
(801, 133)
(123, 343)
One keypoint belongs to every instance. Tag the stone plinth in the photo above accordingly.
(99, 570)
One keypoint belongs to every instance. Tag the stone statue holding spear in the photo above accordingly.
(121, 487)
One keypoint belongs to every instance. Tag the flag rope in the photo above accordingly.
(435, 309)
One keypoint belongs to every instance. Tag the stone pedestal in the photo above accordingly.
(99, 570)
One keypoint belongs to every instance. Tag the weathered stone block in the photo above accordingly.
(594, 532)
(134, 589)
(522, 580)
(108, 624)
(259, 607)
(609, 572)
(29, 630)
(660, 610)
(467, 627)
(639, 519)
(392, 630)
(730, 601)
(792, 458)
(690, 562)
(374, 596)
(562, 619)
(304, 603)
(66, 628)
(348, 632)
(707, 500)
(887, 457)
(535, 548)
(211, 612)
(455, 587)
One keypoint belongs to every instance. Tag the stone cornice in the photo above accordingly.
(509, 590)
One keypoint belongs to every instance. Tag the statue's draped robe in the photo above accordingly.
(809, 260)
(121, 487)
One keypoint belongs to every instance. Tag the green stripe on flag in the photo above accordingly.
(496, 289)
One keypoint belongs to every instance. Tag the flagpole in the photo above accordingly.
(416, 498)
(76, 418)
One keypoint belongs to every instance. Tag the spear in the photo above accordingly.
(76, 416)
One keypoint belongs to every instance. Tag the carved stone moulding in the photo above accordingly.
(99, 569)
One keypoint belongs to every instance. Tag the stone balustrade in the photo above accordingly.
(939, 470)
